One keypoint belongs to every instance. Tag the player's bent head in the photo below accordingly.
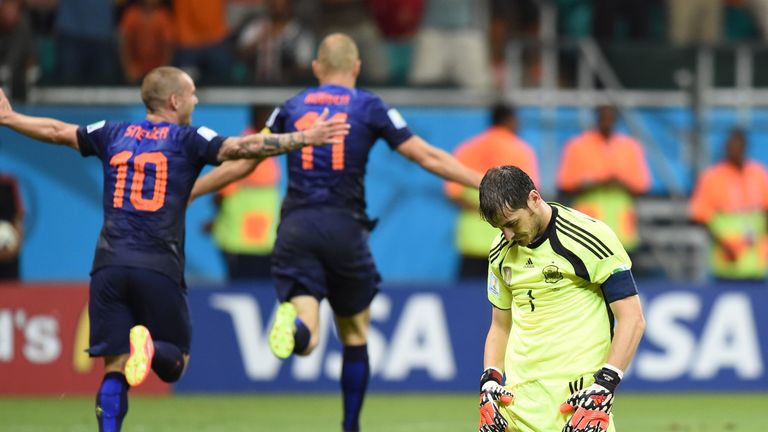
(337, 54)
(504, 188)
(158, 86)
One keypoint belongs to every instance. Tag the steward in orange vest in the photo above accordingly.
(731, 200)
(603, 171)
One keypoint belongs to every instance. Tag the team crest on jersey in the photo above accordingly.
(552, 274)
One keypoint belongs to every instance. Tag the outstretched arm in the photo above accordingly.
(252, 149)
(224, 174)
(439, 162)
(40, 128)
(241, 155)
(259, 146)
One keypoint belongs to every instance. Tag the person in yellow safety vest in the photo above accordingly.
(603, 171)
(731, 200)
(245, 224)
(496, 146)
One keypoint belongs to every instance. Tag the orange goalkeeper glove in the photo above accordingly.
(491, 393)
(593, 404)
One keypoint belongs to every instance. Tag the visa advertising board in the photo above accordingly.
(697, 339)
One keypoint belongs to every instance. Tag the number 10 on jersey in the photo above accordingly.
(156, 201)
(307, 153)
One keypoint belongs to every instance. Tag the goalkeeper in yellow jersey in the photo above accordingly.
(556, 280)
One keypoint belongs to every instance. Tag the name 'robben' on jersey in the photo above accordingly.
(561, 323)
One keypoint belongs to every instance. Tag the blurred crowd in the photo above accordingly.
(271, 42)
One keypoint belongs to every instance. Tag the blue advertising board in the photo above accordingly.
(697, 339)
(713, 339)
(419, 340)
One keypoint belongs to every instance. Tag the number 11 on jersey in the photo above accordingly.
(307, 153)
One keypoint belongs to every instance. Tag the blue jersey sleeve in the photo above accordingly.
(388, 123)
(95, 137)
(202, 144)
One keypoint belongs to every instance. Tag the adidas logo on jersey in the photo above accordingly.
(528, 264)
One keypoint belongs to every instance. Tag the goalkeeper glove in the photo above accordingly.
(593, 404)
(491, 392)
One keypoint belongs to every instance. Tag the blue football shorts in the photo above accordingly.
(323, 252)
(122, 297)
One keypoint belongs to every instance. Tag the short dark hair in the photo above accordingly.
(501, 112)
(504, 187)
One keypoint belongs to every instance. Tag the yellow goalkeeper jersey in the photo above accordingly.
(561, 324)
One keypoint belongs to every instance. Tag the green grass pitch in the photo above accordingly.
(382, 413)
